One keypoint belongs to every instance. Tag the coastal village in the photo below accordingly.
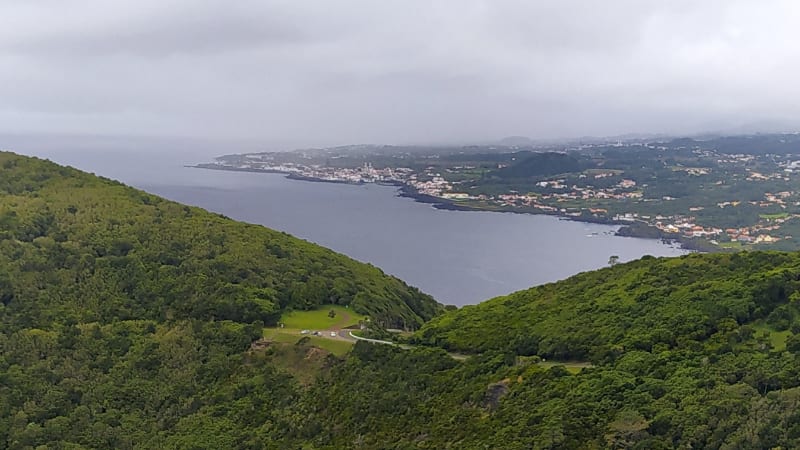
(678, 224)
(570, 198)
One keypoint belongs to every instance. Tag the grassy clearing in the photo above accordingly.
(604, 170)
(318, 319)
(571, 366)
(458, 356)
(336, 345)
(774, 216)
(776, 338)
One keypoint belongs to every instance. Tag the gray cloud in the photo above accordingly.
(395, 71)
(158, 32)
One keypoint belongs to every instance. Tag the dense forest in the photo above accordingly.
(699, 351)
(122, 313)
(127, 322)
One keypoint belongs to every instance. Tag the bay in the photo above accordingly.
(459, 257)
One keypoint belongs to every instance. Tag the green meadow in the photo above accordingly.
(319, 319)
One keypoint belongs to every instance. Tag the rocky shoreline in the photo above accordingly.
(627, 229)
(642, 230)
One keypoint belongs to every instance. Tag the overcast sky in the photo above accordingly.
(332, 72)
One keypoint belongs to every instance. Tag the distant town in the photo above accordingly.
(714, 194)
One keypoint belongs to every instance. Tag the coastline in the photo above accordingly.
(234, 169)
(626, 229)
(298, 177)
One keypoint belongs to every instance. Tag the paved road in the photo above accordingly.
(347, 334)
(374, 341)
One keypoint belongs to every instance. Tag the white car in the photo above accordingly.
(305, 332)
(333, 334)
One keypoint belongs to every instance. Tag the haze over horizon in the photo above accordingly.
(329, 73)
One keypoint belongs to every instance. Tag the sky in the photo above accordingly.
(332, 72)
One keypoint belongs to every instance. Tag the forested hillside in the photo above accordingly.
(127, 322)
(649, 304)
(124, 317)
(699, 351)
(80, 248)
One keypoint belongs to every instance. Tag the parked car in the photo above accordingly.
(333, 334)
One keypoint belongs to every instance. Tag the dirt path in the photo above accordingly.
(344, 320)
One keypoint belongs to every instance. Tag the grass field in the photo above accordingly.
(774, 216)
(338, 346)
(604, 170)
(776, 338)
(571, 366)
(732, 244)
(318, 319)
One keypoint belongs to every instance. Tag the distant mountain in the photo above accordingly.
(752, 144)
(516, 141)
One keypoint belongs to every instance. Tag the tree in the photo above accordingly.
(793, 343)
(613, 260)
(332, 313)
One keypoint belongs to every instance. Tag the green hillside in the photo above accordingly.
(125, 319)
(700, 351)
(649, 305)
(80, 248)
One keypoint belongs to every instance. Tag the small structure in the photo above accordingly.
(260, 344)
